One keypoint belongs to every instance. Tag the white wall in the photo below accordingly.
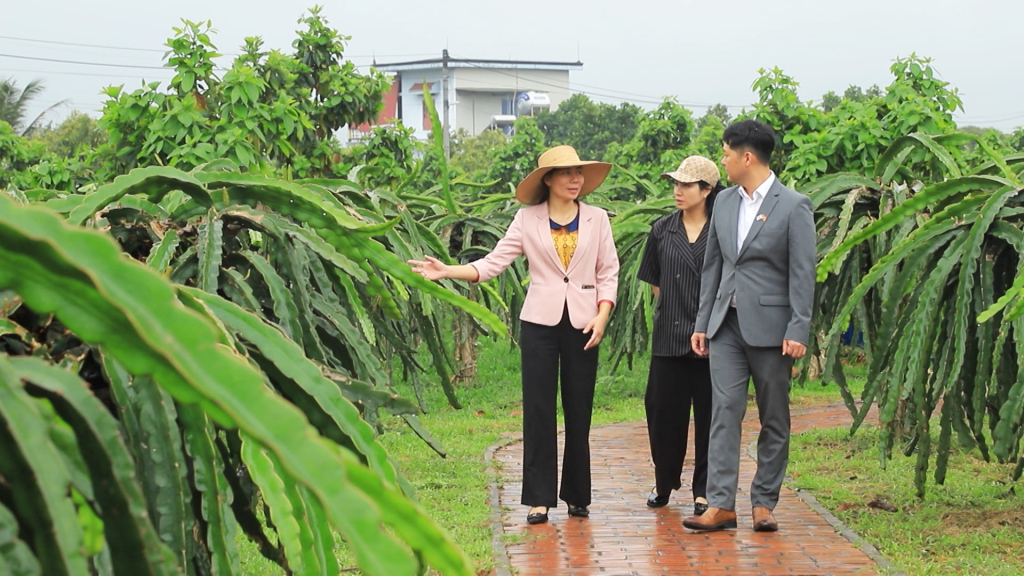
(475, 94)
(554, 82)
(481, 91)
(475, 109)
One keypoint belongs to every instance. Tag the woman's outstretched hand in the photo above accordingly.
(432, 269)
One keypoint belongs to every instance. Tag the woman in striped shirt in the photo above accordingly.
(679, 378)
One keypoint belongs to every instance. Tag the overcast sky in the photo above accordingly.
(701, 52)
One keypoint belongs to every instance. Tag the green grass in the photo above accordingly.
(455, 490)
(974, 524)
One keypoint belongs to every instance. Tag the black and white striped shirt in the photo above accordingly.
(673, 264)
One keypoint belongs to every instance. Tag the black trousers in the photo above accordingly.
(674, 384)
(547, 353)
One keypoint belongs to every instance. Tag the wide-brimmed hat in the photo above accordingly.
(695, 169)
(532, 188)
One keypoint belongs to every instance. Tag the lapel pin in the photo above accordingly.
(762, 218)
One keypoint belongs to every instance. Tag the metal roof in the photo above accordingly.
(473, 63)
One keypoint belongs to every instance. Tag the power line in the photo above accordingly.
(479, 83)
(643, 99)
(571, 86)
(1002, 118)
(81, 63)
(611, 90)
(164, 50)
(96, 75)
(565, 87)
(101, 46)
(638, 98)
(645, 96)
(66, 102)
(57, 60)
(391, 55)
(38, 41)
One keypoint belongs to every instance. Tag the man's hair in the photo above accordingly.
(753, 136)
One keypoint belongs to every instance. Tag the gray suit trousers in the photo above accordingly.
(733, 364)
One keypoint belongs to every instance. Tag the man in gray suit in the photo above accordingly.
(757, 293)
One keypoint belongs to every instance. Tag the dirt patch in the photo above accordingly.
(968, 520)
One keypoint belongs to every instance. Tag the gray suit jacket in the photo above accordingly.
(772, 274)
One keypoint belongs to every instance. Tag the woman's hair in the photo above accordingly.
(709, 202)
(545, 193)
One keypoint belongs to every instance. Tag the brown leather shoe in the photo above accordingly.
(764, 520)
(714, 519)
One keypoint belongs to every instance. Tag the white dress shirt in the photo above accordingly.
(750, 205)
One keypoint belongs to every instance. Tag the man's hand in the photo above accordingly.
(699, 343)
(596, 329)
(794, 349)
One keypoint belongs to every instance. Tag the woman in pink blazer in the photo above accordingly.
(574, 277)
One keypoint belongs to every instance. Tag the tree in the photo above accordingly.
(853, 135)
(14, 103)
(78, 135)
(588, 126)
(26, 163)
(472, 154)
(14, 155)
(662, 140)
(270, 111)
(1016, 139)
(830, 101)
(707, 138)
(717, 114)
(386, 159)
(514, 161)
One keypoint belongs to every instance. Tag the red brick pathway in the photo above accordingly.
(625, 537)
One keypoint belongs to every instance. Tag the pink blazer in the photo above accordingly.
(592, 276)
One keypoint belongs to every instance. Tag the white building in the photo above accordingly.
(482, 94)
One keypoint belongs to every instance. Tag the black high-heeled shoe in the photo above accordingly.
(580, 511)
(654, 500)
(537, 517)
(699, 508)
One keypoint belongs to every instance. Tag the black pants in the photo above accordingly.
(547, 352)
(674, 384)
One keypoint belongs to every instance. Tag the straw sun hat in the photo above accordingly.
(532, 188)
(695, 169)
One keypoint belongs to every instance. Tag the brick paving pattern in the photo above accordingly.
(625, 537)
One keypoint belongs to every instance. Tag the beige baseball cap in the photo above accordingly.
(695, 169)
